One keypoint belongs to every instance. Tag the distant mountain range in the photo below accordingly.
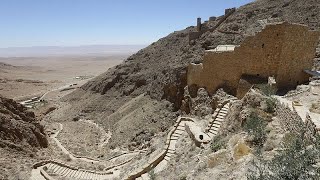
(69, 50)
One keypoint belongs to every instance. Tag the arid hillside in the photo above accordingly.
(159, 71)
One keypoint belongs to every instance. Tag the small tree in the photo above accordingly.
(256, 127)
(271, 105)
(266, 89)
(217, 144)
(297, 160)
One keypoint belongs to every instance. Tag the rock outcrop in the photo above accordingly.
(19, 126)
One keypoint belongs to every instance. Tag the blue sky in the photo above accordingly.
(86, 22)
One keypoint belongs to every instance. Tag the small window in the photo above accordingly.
(201, 137)
(262, 45)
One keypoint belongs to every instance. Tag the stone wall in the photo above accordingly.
(200, 31)
(290, 121)
(280, 50)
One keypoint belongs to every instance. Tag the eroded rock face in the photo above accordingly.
(19, 126)
(201, 105)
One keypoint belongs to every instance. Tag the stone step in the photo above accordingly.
(180, 128)
(94, 176)
(169, 154)
(64, 172)
(97, 176)
(211, 135)
(225, 109)
(219, 120)
(216, 125)
(171, 151)
(167, 158)
(213, 132)
(67, 174)
(50, 165)
(76, 175)
(222, 113)
(90, 176)
(55, 168)
(73, 172)
(80, 176)
(60, 170)
(86, 176)
(213, 128)
(221, 116)
(179, 131)
(175, 136)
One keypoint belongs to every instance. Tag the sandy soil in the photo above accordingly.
(31, 76)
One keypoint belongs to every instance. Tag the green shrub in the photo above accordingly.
(256, 127)
(271, 105)
(296, 160)
(152, 175)
(217, 144)
(266, 89)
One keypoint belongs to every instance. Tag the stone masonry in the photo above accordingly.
(281, 50)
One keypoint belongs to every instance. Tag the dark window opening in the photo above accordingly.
(262, 45)
(201, 137)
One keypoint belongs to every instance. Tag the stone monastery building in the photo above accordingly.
(282, 51)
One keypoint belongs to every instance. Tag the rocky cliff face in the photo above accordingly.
(19, 126)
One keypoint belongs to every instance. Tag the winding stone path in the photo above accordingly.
(158, 163)
(43, 170)
(50, 169)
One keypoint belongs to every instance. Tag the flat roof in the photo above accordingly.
(223, 48)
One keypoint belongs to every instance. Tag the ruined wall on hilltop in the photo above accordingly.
(280, 50)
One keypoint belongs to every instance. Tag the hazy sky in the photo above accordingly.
(85, 22)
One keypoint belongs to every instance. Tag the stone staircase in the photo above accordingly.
(160, 162)
(217, 119)
(67, 172)
(51, 168)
